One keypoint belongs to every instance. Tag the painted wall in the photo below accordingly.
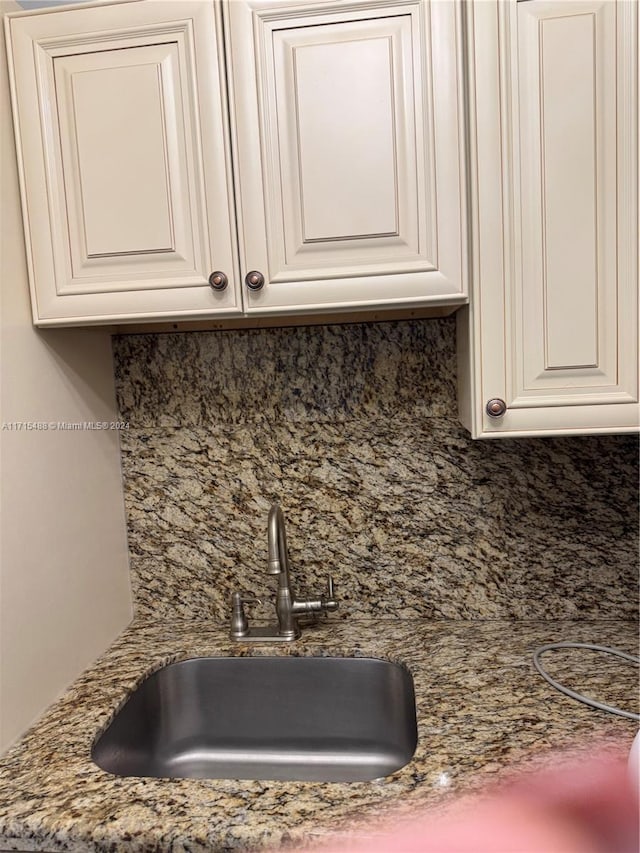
(354, 429)
(64, 585)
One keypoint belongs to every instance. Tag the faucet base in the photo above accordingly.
(265, 634)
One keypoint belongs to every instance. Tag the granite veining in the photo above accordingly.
(353, 428)
(482, 710)
(287, 375)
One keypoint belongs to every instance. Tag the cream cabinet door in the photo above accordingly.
(554, 322)
(348, 125)
(124, 157)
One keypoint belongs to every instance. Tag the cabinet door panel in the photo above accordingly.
(346, 180)
(125, 217)
(568, 125)
(567, 140)
(347, 121)
(122, 166)
(351, 161)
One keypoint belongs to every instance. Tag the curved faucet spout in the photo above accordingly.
(277, 543)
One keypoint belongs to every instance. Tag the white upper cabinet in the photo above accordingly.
(125, 162)
(347, 125)
(554, 316)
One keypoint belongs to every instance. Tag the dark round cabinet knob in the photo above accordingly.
(496, 408)
(254, 280)
(218, 280)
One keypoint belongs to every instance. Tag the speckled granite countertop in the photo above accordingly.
(481, 706)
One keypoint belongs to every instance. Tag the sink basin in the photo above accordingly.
(287, 718)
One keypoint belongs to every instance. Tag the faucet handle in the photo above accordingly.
(328, 601)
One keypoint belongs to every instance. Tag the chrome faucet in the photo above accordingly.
(288, 608)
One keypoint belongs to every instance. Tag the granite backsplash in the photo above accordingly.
(354, 429)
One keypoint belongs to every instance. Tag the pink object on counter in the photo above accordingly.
(579, 806)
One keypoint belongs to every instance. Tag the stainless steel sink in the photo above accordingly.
(288, 718)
